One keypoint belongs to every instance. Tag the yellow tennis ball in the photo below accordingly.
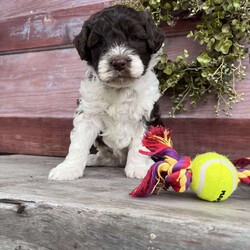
(214, 177)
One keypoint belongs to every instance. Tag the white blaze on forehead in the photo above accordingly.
(105, 69)
(119, 50)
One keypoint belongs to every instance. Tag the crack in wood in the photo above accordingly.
(21, 204)
(16, 201)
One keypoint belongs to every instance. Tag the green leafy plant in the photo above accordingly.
(224, 30)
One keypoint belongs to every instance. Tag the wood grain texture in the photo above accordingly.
(191, 136)
(56, 25)
(96, 212)
(174, 46)
(45, 84)
(17, 8)
(40, 84)
(180, 27)
(50, 28)
(37, 136)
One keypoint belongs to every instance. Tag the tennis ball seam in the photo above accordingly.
(202, 174)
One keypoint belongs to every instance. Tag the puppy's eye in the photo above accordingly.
(135, 38)
(138, 37)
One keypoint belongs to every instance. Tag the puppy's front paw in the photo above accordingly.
(66, 171)
(138, 170)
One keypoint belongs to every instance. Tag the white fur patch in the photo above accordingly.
(137, 67)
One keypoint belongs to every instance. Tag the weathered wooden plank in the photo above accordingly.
(191, 136)
(17, 8)
(38, 136)
(57, 27)
(180, 27)
(47, 84)
(7, 243)
(175, 45)
(41, 84)
(46, 29)
(96, 212)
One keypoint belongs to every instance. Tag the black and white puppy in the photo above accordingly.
(121, 46)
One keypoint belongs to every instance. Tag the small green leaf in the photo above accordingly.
(218, 1)
(168, 71)
(190, 34)
(204, 74)
(235, 22)
(236, 4)
(167, 6)
(203, 59)
(185, 53)
(226, 46)
(225, 28)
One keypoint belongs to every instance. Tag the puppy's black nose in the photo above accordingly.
(119, 64)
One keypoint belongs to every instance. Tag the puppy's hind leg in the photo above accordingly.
(104, 156)
(101, 159)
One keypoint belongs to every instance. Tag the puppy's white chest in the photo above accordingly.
(120, 118)
(119, 111)
(123, 105)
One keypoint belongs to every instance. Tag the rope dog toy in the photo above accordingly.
(212, 176)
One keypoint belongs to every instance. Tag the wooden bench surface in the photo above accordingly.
(96, 212)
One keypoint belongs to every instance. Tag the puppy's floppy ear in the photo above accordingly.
(80, 42)
(155, 35)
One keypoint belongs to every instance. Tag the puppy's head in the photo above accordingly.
(119, 43)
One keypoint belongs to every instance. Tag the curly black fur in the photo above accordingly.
(118, 25)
